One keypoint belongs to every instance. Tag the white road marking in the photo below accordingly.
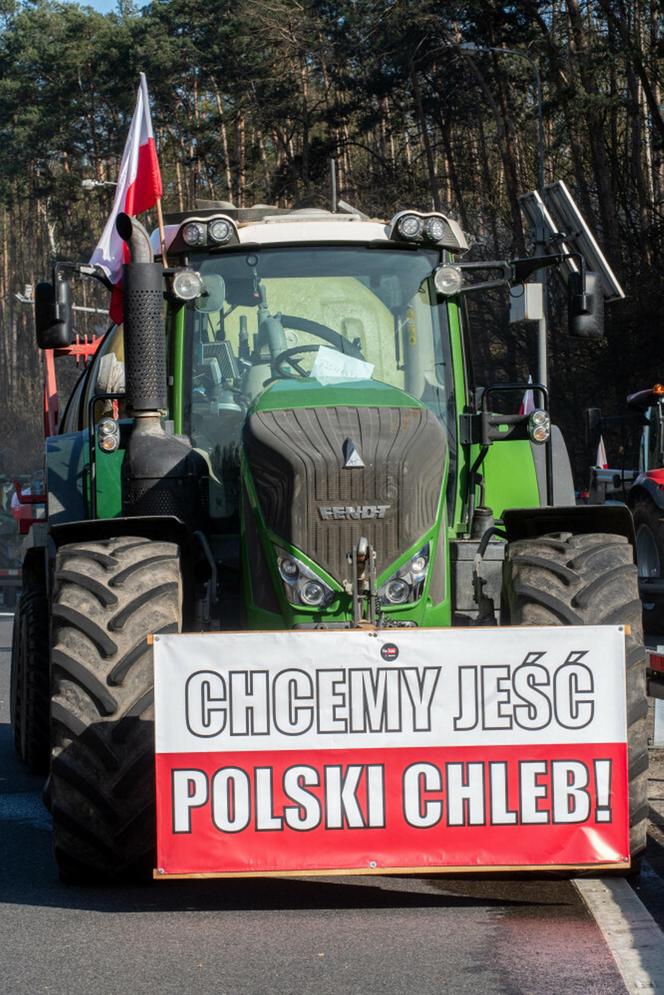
(631, 933)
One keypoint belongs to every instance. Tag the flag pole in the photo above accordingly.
(162, 232)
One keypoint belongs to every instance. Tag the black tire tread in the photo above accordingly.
(93, 686)
(85, 624)
(124, 665)
(588, 580)
(100, 591)
(29, 686)
(77, 727)
(15, 711)
(119, 621)
(82, 553)
(102, 774)
(119, 579)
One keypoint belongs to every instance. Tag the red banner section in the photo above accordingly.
(414, 807)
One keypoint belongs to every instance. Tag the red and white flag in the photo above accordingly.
(527, 401)
(601, 461)
(138, 189)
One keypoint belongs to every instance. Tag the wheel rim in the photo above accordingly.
(647, 555)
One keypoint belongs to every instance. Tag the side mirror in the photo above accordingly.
(586, 306)
(53, 314)
(213, 296)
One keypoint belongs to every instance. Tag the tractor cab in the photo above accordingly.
(301, 311)
(648, 404)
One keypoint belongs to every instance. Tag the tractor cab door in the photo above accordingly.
(651, 451)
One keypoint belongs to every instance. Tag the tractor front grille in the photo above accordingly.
(309, 498)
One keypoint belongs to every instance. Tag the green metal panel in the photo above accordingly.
(510, 478)
(312, 394)
(508, 468)
(108, 468)
(465, 454)
(176, 382)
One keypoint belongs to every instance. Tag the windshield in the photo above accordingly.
(332, 314)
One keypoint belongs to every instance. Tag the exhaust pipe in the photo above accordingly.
(145, 343)
(161, 473)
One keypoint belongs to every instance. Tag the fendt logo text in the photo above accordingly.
(344, 512)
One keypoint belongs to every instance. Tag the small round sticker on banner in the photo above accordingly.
(389, 652)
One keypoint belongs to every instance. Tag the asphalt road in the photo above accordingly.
(322, 936)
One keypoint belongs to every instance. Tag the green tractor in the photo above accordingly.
(285, 433)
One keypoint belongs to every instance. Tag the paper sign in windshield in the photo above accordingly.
(331, 366)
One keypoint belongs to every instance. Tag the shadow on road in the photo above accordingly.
(28, 876)
(650, 888)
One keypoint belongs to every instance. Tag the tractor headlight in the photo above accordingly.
(539, 426)
(435, 229)
(219, 231)
(406, 585)
(288, 569)
(448, 280)
(410, 226)
(195, 233)
(312, 593)
(187, 285)
(108, 435)
(301, 585)
(395, 592)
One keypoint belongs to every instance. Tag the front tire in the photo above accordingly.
(108, 597)
(565, 579)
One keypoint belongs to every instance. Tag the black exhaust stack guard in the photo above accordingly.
(162, 474)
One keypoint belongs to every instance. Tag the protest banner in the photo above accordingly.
(384, 750)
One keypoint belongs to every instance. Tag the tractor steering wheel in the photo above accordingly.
(335, 339)
(286, 358)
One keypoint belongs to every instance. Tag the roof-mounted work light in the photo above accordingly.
(432, 229)
(204, 232)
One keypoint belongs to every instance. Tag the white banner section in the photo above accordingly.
(345, 689)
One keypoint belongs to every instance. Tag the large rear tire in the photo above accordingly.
(108, 597)
(565, 579)
(29, 685)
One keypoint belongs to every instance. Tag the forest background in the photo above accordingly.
(251, 98)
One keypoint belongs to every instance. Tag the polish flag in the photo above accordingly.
(601, 461)
(138, 189)
(527, 401)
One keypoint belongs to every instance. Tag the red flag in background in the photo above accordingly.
(138, 189)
